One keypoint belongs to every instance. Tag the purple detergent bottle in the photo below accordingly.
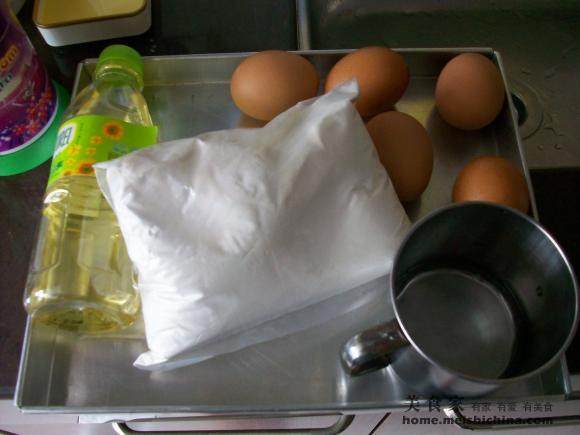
(30, 104)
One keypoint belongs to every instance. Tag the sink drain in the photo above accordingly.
(528, 107)
(520, 107)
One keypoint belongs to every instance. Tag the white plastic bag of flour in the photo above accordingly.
(231, 229)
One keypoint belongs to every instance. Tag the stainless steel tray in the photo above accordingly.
(188, 95)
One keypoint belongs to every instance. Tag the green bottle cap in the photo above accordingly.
(115, 56)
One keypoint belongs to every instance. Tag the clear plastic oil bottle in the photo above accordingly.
(81, 278)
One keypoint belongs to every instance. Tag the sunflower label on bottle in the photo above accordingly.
(88, 139)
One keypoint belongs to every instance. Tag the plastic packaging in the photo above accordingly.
(232, 229)
(81, 277)
(30, 104)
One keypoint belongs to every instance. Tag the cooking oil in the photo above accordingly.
(81, 278)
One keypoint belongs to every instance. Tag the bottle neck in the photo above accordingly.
(118, 76)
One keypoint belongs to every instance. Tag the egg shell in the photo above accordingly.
(246, 121)
(405, 150)
(469, 93)
(382, 75)
(267, 83)
(492, 179)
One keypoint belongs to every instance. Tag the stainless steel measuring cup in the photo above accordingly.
(482, 295)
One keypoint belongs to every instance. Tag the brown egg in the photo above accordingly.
(405, 150)
(470, 92)
(246, 121)
(492, 179)
(381, 73)
(270, 82)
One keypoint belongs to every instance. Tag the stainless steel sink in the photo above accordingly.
(539, 41)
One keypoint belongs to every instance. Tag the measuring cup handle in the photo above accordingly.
(369, 350)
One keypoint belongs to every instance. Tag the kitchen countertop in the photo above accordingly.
(204, 26)
(212, 26)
